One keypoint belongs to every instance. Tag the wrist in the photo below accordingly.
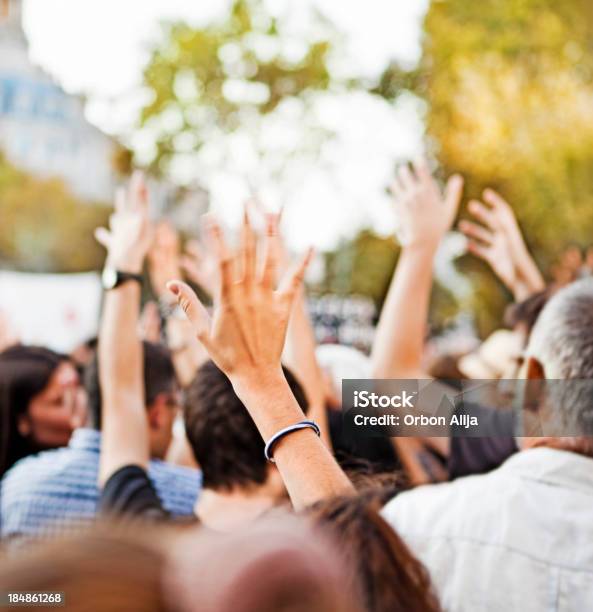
(259, 381)
(427, 248)
(128, 265)
(270, 402)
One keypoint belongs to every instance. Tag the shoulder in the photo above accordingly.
(161, 471)
(37, 467)
(433, 509)
(129, 491)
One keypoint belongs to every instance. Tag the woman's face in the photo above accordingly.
(54, 413)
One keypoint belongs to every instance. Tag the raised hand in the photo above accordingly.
(164, 257)
(150, 323)
(491, 244)
(130, 234)
(499, 241)
(425, 212)
(201, 266)
(246, 335)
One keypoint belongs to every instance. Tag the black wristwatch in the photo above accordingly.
(114, 278)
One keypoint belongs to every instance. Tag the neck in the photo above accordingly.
(579, 445)
(229, 510)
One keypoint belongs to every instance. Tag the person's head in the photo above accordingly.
(560, 352)
(161, 395)
(276, 564)
(40, 403)
(385, 573)
(222, 435)
(108, 570)
(522, 316)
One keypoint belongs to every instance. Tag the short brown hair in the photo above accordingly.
(223, 437)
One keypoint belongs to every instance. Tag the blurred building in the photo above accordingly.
(42, 128)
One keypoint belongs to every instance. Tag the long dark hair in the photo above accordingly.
(389, 577)
(24, 372)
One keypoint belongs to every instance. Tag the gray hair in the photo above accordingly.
(562, 341)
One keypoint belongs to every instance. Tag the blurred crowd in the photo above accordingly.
(196, 454)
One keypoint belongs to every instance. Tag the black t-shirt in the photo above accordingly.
(129, 492)
(477, 455)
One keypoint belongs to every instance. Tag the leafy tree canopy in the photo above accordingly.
(44, 226)
(509, 86)
(211, 79)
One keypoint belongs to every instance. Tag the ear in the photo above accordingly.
(534, 369)
(156, 412)
(23, 425)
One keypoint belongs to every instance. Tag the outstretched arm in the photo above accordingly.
(125, 438)
(299, 350)
(245, 339)
(425, 214)
(165, 263)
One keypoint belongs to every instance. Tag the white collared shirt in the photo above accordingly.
(518, 538)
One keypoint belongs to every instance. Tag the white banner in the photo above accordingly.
(55, 310)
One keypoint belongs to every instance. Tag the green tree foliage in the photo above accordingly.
(362, 266)
(44, 227)
(365, 266)
(509, 86)
(216, 77)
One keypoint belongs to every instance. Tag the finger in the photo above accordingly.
(194, 310)
(194, 250)
(495, 200)
(478, 232)
(120, 200)
(270, 255)
(248, 250)
(102, 236)
(138, 199)
(453, 192)
(293, 281)
(484, 214)
(479, 250)
(192, 270)
(396, 189)
(223, 256)
(406, 178)
(422, 170)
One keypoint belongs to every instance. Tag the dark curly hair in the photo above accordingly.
(223, 437)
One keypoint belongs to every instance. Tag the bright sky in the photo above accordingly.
(99, 48)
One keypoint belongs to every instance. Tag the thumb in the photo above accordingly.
(453, 192)
(102, 236)
(193, 308)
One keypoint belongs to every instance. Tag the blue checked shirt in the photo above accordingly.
(55, 491)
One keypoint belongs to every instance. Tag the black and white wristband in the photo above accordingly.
(269, 449)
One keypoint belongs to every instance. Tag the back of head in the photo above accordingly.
(106, 570)
(562, 338)
(278, 564)
(159, 377)
(562, 343)
(223, 437)
(523, 315)
(24, 372)
(388, 576)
